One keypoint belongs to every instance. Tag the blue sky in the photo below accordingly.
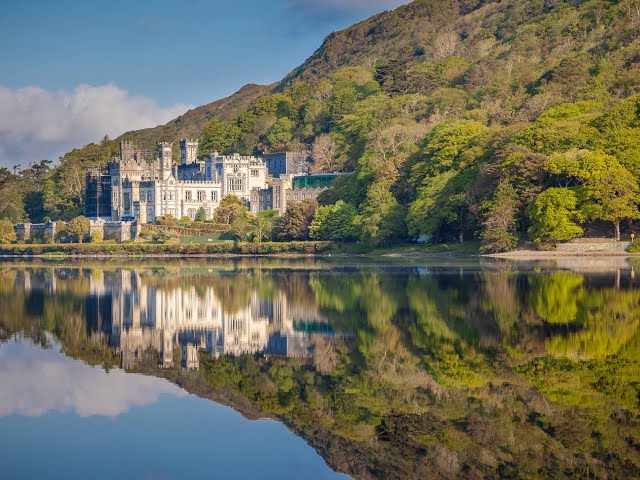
(74, 70)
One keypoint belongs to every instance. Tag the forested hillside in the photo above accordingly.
(488, 119)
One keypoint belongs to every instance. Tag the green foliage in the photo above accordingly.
(499, 226)
(7, 233)
(294, 224)
(96, 236)
(201, 215)
(333, 222)
(217, 135)
(230, 209)
(161, 236)
(446, 149)
(430, 120)
(607, 190)
(263, 225)
(552, 213)
(79, 228)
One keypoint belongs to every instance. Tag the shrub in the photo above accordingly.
(161, 236)
(7, 233)
(96, 236)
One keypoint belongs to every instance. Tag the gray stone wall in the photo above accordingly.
(118, 231)
(593, 246)
(26, 231)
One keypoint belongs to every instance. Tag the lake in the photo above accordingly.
(320, 369)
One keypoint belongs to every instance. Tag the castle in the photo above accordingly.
(132, 188)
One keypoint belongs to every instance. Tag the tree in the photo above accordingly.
(441, 209)
(552, 213)
(263, 224)
(217, 135)
(612, 196)
(499, 226)
(7, 233)
(324, 152)
(201, 216)
(79, 227)
(607, 190)
(333, 222)
(294, 224)
(231, 207)
(240, 227)
(280, 134)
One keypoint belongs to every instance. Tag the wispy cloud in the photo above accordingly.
(37, 124)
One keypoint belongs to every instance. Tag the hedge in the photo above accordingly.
(98, 249)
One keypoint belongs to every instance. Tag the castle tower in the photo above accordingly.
(127, 150)
(188, 150)
(165, 152)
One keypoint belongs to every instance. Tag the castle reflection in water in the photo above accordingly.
(133, 316)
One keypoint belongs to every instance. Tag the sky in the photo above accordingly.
(73, 71)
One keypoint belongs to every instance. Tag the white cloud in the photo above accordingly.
(37, 381)
(36, 124)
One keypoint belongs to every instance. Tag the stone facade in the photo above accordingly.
(261, 199)
(283, 163)
(143, 190)
(289, 188)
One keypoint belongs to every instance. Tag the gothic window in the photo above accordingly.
(214, 196)
(187, 195)
(149, 196)
(235, 169)
(255, 173)
(202, 195)
(234, 184)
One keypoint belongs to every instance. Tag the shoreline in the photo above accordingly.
(517, 255)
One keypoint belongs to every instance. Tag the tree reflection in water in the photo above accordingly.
(393, 371)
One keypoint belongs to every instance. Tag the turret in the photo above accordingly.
(165, 152)
(188, 150)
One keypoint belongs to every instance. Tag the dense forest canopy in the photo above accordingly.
(461, 119)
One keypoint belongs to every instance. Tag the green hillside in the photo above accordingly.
(461, 119)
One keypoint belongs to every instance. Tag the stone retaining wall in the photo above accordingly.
(25, 231)
(593, 246)
(118, 231)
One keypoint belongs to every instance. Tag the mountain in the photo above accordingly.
(461, 119)
(191, 123)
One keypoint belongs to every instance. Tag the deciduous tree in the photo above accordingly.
(79, 227)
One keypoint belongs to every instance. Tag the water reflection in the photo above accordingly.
(37, 381)
(456, 370)
(134, 313)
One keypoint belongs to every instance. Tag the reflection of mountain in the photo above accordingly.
(462, 372)
(132, 317)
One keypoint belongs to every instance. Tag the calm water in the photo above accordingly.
(320, 369)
